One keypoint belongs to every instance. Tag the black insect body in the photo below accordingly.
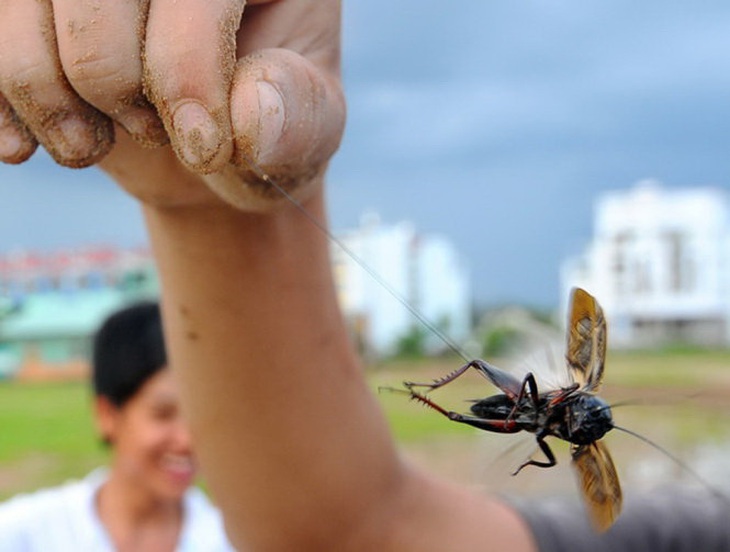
(569, 414)
(573, 413)
(586, 418)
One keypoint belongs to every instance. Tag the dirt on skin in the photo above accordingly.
(17, 143)
(93, 135)
(98, 134)
(195, 142)
(94, 139)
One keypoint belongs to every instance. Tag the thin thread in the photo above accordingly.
(420, 317)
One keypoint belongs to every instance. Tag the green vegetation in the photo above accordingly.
(46, 435)
(668, 368)
(412, 344)
(500, 341)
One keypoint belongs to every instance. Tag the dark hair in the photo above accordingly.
(129, 349)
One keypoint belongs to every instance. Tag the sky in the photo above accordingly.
(496, 124)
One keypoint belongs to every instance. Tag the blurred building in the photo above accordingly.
(52, 303)
(659, 263)
(424, 271)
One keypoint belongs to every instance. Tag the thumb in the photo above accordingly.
(287, 117)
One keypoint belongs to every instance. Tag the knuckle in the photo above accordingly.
(101, 79)
(26, 72)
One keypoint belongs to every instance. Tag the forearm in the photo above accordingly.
(291, 441)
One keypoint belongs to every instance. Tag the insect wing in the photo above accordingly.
(599, 483)
(586, 354)
(544, 358)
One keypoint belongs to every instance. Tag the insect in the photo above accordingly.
(572, 413)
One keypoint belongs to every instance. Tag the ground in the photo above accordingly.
(47, 434)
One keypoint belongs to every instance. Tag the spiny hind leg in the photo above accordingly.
(509, 384)
(497, 425)
(440, 382)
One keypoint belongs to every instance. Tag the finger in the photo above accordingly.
(16, 142)
(153, 186)
(288, 117)
(100, 48)
(190, 56)
(31, 79)
(285, 111)
(277, 24)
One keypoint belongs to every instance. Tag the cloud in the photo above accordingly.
(500, 122)
(496, 123)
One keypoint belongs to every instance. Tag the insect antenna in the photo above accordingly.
(645, 401)
(420, 317)
(627, 402)
(399, 390)
(669, 455)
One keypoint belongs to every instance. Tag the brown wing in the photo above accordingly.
(586, 340)
(599, 483)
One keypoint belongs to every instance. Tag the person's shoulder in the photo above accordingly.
(204, 528)
(26, 517)
(38, 502)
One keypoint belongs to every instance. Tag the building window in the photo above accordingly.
(621, 247)
(642, 277)
(681, 269)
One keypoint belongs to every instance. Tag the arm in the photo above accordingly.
(678, 518)
(292, 443)
(294, 446)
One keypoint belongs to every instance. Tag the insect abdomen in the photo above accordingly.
(496, 407)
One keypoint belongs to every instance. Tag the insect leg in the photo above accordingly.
(497, 425)
(563, 394)
(506, 382)
(509, 384)
(435, 384)
(548, 454)
(530, 384)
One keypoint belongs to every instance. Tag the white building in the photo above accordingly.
(424, 271)
(659, 264)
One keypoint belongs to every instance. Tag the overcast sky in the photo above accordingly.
(495, 123)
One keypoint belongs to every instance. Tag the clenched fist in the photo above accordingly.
(229, 85)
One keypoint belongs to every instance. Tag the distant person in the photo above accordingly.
(144, 500)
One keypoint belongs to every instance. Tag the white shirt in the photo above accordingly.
(65, 518)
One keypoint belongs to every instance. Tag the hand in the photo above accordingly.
(87, 81)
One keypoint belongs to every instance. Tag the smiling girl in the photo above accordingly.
(144, 500)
